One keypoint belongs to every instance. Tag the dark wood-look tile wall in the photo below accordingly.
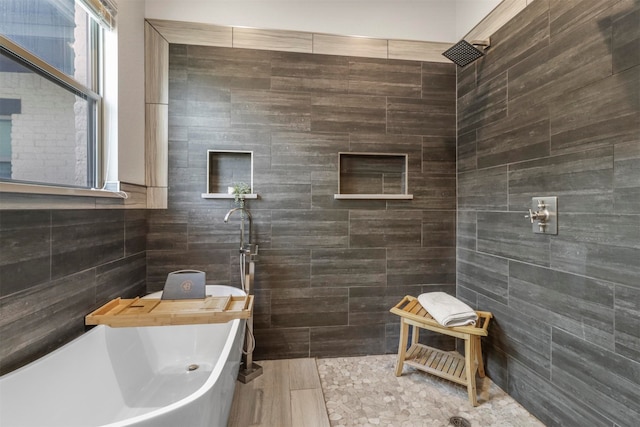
(328, 270)
(56, 267)
(554, 110)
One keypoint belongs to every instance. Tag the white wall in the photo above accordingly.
(470, 12)
(427, 20)
(432, 20)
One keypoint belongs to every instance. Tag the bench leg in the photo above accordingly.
(470, 366)
(402, 346)
(478, 349)
(415, 334)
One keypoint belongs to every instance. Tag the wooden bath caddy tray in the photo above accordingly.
(155, 312)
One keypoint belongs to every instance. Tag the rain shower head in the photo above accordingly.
(464, 53)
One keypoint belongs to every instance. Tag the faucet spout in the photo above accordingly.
(243, 212)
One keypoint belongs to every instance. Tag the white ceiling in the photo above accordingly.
(429, 20)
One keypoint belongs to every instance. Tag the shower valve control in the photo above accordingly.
(543, 215)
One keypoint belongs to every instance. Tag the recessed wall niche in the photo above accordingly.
(373, 176)
(225, 168)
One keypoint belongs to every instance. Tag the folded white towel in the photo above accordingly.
(447, 310)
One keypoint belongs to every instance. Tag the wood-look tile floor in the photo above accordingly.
(287, 394)
(364, 392)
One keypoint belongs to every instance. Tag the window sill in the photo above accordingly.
(50, 190)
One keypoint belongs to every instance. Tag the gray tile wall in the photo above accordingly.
(328, 270)
(58, 266)
(553, 109)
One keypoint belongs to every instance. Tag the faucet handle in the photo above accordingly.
(532, 216)
(541, 216)
(254, 256)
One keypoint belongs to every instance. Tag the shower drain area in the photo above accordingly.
(459, 422)
(193, 367)
(357, 388)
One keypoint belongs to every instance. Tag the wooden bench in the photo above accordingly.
(445, 364)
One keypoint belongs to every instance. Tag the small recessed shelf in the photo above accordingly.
(227, 196)
(225, 168)
(373, 196)
(373, 176)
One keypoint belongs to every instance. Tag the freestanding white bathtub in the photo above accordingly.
(148, 376)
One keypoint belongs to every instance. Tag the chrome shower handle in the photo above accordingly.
(542, 216)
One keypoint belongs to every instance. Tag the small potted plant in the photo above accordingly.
(239, 190)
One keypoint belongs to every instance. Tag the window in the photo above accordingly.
(50, 103)
(5, 147)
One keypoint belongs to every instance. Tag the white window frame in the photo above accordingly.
(105, 16)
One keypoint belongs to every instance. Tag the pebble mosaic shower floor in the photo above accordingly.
(363, 391)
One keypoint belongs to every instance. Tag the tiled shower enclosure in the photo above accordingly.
(328, 270)
(554, 110)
